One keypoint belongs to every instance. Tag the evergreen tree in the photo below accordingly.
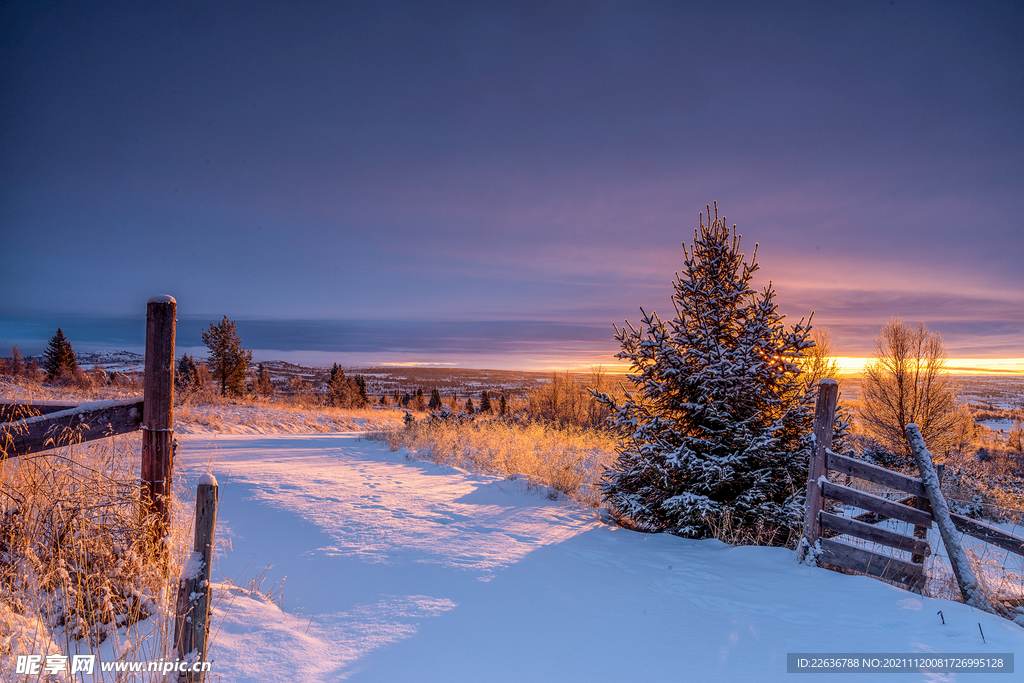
(715, 433)
(503, 406)
(362, 400)
(264, 385)
(485, 402)
(228, 361)
(185, 374)
(339, 389)
(435, 400)
(59, 358)
(469, 406)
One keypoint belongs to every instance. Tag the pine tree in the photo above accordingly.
(503, 406)
(362, 400)
(185, 374)
(714, 435)
(485, 402)
(228, 361)
(264, 385)
(469, 406)
(435, 400)
(59, 358)
(340, 389)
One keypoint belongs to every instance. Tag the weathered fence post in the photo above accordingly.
(192, 615)
(824, 415)
(158, 414)
(968, 582)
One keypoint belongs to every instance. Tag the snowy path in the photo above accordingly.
(409, 571)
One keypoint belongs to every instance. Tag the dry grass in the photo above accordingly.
(77, 569)
(566, 458)
(71, 392)
(1001, 586)
(261, 416)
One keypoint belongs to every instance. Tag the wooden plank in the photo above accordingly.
(888, 568)
(874, 503)
(14, 409)
(824, 417)
(869, 532)
(874, 473)
(988, 533)
(875, 518)
(86, 422)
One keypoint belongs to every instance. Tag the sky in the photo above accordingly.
(496, 184)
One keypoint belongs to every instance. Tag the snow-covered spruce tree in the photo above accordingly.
(714, 434)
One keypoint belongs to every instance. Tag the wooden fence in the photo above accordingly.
(28, 427)
(921, 508)
(51, 424)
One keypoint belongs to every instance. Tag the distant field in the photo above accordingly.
(994, 392)
(1000, 392)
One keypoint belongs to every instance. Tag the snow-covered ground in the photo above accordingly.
(401, 570)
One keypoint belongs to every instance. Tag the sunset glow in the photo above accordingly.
(495, 185)
(956, 366)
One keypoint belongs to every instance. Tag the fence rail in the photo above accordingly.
(14, 409)
(74, 424)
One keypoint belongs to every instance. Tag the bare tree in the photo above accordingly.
(905, 383)
(819, 361)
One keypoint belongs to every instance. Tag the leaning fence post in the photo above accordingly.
(962, 570)
(922, 503)
(192, 614)
(158, 413)
(824, 415)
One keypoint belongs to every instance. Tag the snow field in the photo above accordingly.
(399, 570)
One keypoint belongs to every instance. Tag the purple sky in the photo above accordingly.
(458, 166)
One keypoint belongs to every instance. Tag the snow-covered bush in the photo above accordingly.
(715, 431)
